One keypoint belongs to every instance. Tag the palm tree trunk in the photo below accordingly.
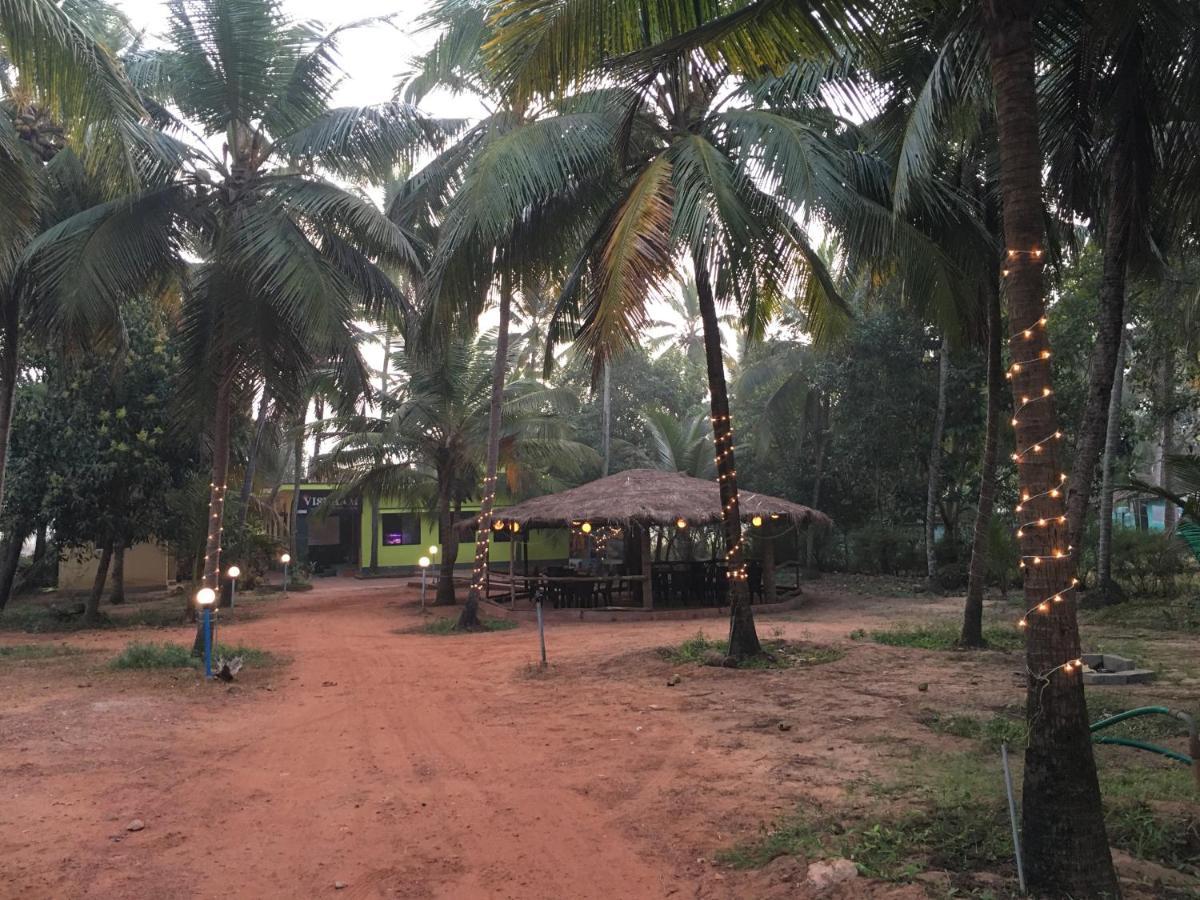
(1110, 329)
(376, 499)
(934, 487)
(117, 596)
(448, 540)
(216, 495)
(810, 539)
(91, 609)
(743, 639)
(972, 630)
(260, 428)
(470, 612)
(11, 561)
(1063, 834)
(605, 423)
(1112, 437)
(10, 334)
(1166, 431)
(297, 480)
(319, 415)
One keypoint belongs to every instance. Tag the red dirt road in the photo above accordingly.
(411, 765)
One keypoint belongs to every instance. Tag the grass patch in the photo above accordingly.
(954, 838)
(37, 651)
(445, 625)
(993, 732)
(152, 655)
(947, 811)
(700, 649)
(940, 636)
(1180, 614)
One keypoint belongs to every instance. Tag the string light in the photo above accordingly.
(1025, 364)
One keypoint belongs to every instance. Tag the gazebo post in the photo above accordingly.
(647, 570)
(768, 566)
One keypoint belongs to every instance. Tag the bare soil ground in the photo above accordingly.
(401, 764)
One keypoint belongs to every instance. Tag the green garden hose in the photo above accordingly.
(1189, 721)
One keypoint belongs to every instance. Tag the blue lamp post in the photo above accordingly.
(205, 598)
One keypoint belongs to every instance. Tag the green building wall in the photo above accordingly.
(543, 545)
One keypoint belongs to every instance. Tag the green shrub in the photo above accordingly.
(879, 549)
(1148, 562)
(151, 655)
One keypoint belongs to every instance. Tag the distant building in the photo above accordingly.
(338, 539)
(1140, 512)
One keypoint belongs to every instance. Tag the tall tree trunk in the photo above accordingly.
(470, 612)
(810, 539)
(934, 487)
(260, 428)
(10, 335)
(10, 562)
(117, 596)
(1110, 326)
(1112, 437)
(319, 415)
(210, 576)
(91, 608)
(972, 630)
(297, 480)
(375, 500)
(605, 423)
(743, 638)
(1064, 839)
(448, 538)
(1166, 430)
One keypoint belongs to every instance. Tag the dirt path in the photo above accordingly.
(410, 765)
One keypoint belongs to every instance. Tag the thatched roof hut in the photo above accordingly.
(650, 497)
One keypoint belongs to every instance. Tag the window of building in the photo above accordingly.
(400, 529)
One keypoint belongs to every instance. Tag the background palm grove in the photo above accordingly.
(930, 267)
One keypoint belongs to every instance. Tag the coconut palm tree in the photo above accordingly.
(681, 445)
(58, 77)
(499, 204)
(1063, 822)
(287, 258)
(432, 440)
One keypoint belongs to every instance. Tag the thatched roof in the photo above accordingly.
(649, 496)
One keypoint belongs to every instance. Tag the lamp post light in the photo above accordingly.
(285, 559)
(205, 597)
(423, 562)
(233, 572)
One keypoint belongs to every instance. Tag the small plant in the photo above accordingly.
(444, 625)
(698, 648)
